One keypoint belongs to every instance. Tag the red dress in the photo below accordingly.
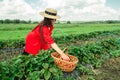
(38, 39)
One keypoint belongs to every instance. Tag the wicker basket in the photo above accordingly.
(66, 66)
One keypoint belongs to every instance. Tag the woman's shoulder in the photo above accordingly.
(36, 27)
(48, 26)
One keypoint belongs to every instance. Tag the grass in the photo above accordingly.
(18, 31)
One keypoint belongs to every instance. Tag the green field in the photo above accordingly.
(18, 31)
(95, 52)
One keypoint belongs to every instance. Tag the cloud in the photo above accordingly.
(14, 9)
(88, 10)
(54, 3)
(82, 10)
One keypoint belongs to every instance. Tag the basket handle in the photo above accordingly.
(65, 51)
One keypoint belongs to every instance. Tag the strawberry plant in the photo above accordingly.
(30, 67)
(42, 66)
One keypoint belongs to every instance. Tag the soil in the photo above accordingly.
(110, 70)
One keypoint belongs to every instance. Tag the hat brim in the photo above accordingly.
(49, 16)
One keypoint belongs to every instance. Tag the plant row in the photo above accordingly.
(61, 40)
(28, 67)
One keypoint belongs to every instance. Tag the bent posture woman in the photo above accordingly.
(40, 37)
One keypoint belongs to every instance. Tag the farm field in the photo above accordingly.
(19, 31)
(97, 47)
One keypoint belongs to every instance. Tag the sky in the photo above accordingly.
(72, 10)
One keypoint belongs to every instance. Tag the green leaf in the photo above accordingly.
(46, 56)
(18, 61)
(42, 72)
(53, 70)
(50, 60)
(45, 65)
(47, 75)
(33, 75)
(27, 62)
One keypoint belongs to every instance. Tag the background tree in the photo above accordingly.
(1, 21)
(68, 22)
(7, 21)
(16, 21)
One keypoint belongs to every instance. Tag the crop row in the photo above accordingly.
(61, 40)
(42, 66)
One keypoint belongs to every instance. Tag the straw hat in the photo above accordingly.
(50, 13)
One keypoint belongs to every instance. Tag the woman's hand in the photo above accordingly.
(65, 57)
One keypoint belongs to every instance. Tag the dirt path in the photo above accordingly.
(110, 70)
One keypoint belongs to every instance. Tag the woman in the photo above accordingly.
(40, 37)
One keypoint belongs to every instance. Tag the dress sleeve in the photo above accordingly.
(47, 35)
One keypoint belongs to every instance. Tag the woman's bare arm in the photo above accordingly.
(57, 49)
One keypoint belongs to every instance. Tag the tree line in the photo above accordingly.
(106, 21)
(16, 21)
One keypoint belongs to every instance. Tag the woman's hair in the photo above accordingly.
(46, 22)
